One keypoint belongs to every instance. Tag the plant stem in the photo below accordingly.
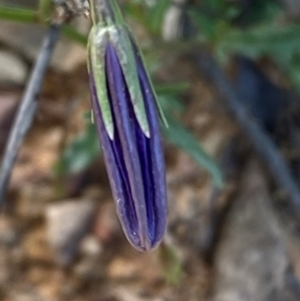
(27, 108)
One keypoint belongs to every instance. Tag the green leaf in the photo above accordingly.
(171, 88)
(260, 41)
(171, 104)
(80, 153)
(282, 44)
(136, 11)
(261, 11)
(18, 14)
(204, 23)
(157, 14)
(170, 263)
(178, 135)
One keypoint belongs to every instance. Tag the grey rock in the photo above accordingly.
(67, 223)
(252, 260)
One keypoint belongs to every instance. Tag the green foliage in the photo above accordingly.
(205, 24)
(18, 14)
(170, 263)
(171, 89)
(266, 40)
(281, 44)
(256, 32)
(156, 15)
(79, 153)
(181, 137)
(149, 16)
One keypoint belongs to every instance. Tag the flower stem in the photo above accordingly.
(27, 108)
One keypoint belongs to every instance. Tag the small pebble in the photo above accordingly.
(90, 246)
(67, 223)
(13, 69)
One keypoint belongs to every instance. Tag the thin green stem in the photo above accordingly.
(18, 14)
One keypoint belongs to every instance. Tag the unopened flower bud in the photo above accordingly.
(126, 115)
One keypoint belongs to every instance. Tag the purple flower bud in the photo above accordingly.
(133, 158)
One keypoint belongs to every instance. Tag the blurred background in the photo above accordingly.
(231, 234)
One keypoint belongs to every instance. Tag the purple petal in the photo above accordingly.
(155, 153)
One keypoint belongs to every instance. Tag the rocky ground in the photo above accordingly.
(66, 244)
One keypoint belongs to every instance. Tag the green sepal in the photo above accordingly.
(119, 20)
(96, 66)
(140, 54)
(107, 18)
(121, 41)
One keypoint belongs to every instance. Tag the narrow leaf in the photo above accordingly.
(18, 14)
(178, 135)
